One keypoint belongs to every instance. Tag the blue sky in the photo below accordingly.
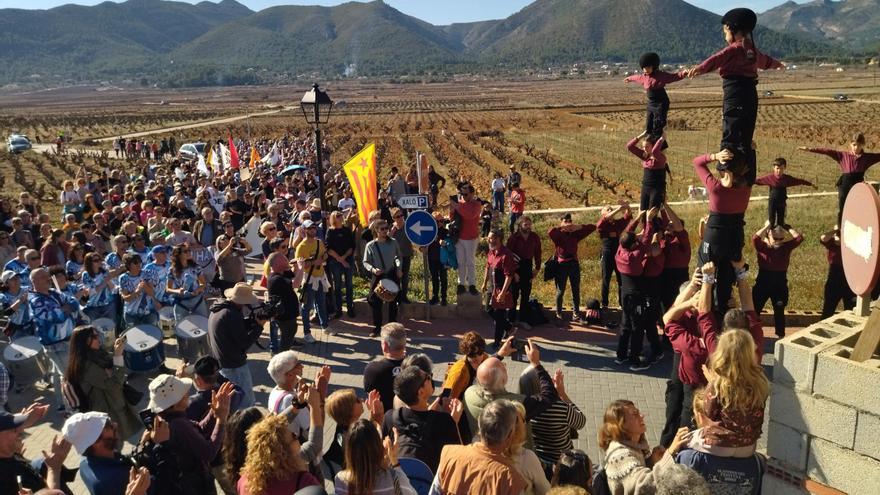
(433, 11)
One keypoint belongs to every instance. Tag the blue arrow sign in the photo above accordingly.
(421, 228)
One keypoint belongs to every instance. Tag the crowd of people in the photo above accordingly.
(170, 241)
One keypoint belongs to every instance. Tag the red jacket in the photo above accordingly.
(684, 335)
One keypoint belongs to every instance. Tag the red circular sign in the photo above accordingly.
(860, 238)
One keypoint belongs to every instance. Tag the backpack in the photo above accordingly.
(74, 398)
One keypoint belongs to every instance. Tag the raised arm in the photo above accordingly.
(633, 146)
(836, 155)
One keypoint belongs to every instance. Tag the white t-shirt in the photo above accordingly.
(346, 203)
(299, 426)
(498, 184)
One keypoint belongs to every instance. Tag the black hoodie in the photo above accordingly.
(229, 335)
(422, 433)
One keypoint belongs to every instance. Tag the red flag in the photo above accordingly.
(233, 153)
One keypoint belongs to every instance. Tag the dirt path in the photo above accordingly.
(193, 125)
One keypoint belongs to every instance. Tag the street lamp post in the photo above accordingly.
(316, 107)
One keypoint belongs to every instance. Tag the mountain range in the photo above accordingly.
(853, 23)
(180, 44)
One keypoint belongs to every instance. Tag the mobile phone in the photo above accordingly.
(147, 417)
(454, 198)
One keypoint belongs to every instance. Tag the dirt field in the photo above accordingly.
(567, 136)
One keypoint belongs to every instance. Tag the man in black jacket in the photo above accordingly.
(282, 296)
(230, 336)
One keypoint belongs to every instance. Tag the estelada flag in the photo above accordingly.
(255, 158)
(361, 173)
(233, 154)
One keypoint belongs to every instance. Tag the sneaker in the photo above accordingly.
(576, 317)
(459, 289)
(640, 365)
(374, 333)
(656, 357)
(559, 315)
(473, 290)
(620, 361)
(308, 339)
(329, 331)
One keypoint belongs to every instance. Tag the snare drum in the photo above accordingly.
(144, 350)
(167, 321)
(107, 330)
(387, 290)
(27, 360)
(192, 338)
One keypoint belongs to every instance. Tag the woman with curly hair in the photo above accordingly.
(734, 400)
(273, 465)
(235, 444)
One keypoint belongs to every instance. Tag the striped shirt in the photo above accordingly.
(552, 428)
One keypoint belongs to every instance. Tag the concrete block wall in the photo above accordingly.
(824, 419)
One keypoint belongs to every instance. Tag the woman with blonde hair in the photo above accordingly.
(345, 407)
(273, 465)
(369, 470)
(525, 460)
(630, 464)
(735, 396)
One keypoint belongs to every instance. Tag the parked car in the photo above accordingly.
(191, 151)
(841, 97)
(17, 143)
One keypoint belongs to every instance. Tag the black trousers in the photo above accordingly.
(639, 320)
(653, 188)
(739, 113)
(776, 210)
(522, 292)
(439, 280)
(844, 184)
(609, 267)
(722, 243)
(657, 111)
(568, 271)
(837, 290)
(674, 402)
(672, 278)
(500, 323)
(772, 286)
(376, 307)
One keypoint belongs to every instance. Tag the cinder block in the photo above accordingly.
(796, 354)
(809, 414)
(788, 447)
(846, 381)
(775, 486)
(843, 469)
(868, 435)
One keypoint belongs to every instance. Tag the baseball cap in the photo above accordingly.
(159, 249)
(308, 224)
(167, 390)
(10, 421)
(567, 216)
(83, 429)
(7, 275)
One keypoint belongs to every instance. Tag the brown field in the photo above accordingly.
(567, 136)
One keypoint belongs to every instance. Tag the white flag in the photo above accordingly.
(202, 166)
(224, 157)
(272, 158)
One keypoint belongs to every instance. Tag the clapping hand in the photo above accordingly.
(57, 453)
(322, 380)
(559, 382)
(220, 401)
(375, 407)
(138, 481)
(533, 353)
(34, 413)
(391, 447)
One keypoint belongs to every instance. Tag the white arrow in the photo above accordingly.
(418, 228)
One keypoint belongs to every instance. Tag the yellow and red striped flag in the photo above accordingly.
(361, 173)
(255, 158)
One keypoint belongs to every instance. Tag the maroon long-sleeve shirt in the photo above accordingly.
(677, 248)
(567, 242)
(657, 79)
(849, 163)
(709, 329)
(609, 227)
(738, 59)
(724, 200)
(526, 248)
(656, 161)
(833, 254)
(775, 259)
(684, 335)
(785, 180)
(635, 261)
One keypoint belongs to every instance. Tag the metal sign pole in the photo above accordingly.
(426, 272)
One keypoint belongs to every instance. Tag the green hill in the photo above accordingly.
(854, 23)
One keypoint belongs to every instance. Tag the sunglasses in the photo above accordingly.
(35, 258)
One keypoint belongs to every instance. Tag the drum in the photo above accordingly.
(167, 321)
(26, 360)
(107, 330)
(144, 350)
(192, 338)
(387, 290)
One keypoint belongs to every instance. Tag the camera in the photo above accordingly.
(264, 312)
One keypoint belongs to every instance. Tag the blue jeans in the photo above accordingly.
(498, 201)
(317, 300)
(281, 333)
(241, 376)
(337, 274)
(57, 354)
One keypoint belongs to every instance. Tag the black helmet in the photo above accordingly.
(740, 20)
(649, 59)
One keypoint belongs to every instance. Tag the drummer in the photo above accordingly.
(383, 260)
(157, 273)
(100, 302)
(140, 305)
(14, 302)
(185, 284)
(53, 323)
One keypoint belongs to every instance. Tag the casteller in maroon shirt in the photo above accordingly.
(848, 162)
(526, 248)
(775, 259)
(567, 242)
(739, 59)
(609, 227)
(784, 180)
(833, 254)
(710, 330)
(684, 335)
(724, 200)
(677, 249)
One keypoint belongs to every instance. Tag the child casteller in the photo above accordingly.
(738, 65)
